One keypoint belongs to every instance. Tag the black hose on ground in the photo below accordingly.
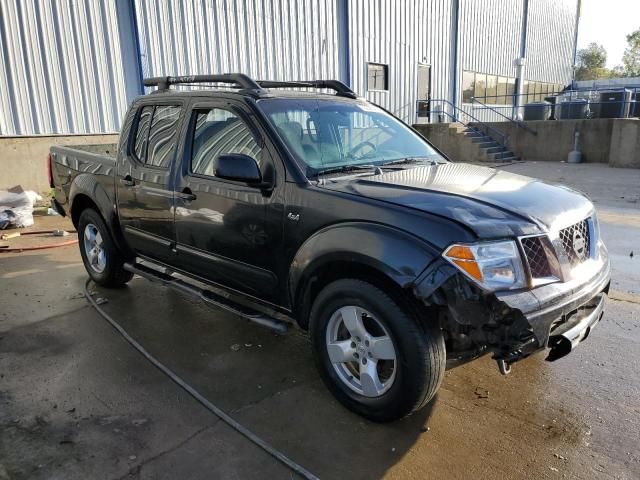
(195, 394)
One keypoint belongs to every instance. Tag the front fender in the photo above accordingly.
(399, 255)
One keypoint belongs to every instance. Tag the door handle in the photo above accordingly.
(187, 195)
(127, 181)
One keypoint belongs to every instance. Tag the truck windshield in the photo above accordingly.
(329, 135)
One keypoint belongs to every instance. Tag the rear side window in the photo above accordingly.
(142, 133)
(163, 135)
(218, 131)
(156, 134)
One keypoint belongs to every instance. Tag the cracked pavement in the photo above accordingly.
(77, 401)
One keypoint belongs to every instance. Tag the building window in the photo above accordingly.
(377, 76)
(479, 90)
(511, 90)
(502, 91)
(525, 92)
(492, 90)
(495, 90)
(468, 86)
(538, 91)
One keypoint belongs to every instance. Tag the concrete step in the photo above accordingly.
(507, 159)
(495, 149)
(482, 139)
(487, 144)
(474, 134)
(504, 154)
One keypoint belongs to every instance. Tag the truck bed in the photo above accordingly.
(106, 149)
(71, 161)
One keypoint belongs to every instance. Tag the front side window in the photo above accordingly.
(332, 133)
(219, 131)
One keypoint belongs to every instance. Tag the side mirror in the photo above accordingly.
(238, 167)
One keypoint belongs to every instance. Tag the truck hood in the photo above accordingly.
(492, 203)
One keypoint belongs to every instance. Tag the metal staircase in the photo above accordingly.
(488, 149)
(486, 143)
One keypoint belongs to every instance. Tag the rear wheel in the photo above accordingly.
(377, 359)
(102, 260)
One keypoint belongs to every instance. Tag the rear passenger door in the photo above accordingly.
(144, 180)
(227, 231)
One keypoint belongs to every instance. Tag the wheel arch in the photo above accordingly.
(386, 257)
(87, 192)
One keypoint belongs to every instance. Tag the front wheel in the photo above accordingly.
(102, 260)
(375, 357)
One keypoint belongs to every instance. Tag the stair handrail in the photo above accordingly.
(503, 135)
(495, 110)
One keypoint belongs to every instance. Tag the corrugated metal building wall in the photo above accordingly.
(270, 39)
(551, 40)
(71, 66)
(490, 33)
(61, 67)
(401, 34)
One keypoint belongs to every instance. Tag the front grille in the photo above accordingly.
(576, 242)
(536, 256)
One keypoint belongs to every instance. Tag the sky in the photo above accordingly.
(608, 22)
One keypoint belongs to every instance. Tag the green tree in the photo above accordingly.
(591, 63)
(631, 57)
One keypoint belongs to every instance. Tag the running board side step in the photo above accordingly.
(207, 296)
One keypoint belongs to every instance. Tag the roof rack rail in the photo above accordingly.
(240, 79)
(247, 83)
(340, 88)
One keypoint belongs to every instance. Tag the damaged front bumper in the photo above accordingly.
(514, 324)
(560, 315)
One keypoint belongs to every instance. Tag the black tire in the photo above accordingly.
(419, 349)
(113, 274)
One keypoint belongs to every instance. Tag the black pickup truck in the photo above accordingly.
(278, 200)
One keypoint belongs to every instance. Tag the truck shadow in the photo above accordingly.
(267, 382)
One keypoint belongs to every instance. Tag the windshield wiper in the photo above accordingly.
(346, 169)
(411, 160)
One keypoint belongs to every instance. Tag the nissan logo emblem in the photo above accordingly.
(579, 243)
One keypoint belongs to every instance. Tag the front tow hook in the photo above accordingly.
(504, 367)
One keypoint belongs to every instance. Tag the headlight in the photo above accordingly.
(492, 265)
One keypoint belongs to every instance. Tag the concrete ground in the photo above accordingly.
(76, 401)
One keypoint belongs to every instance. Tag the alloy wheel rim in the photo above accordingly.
(361, 351)
(94, 248)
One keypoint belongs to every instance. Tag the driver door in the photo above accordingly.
(226, 231)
